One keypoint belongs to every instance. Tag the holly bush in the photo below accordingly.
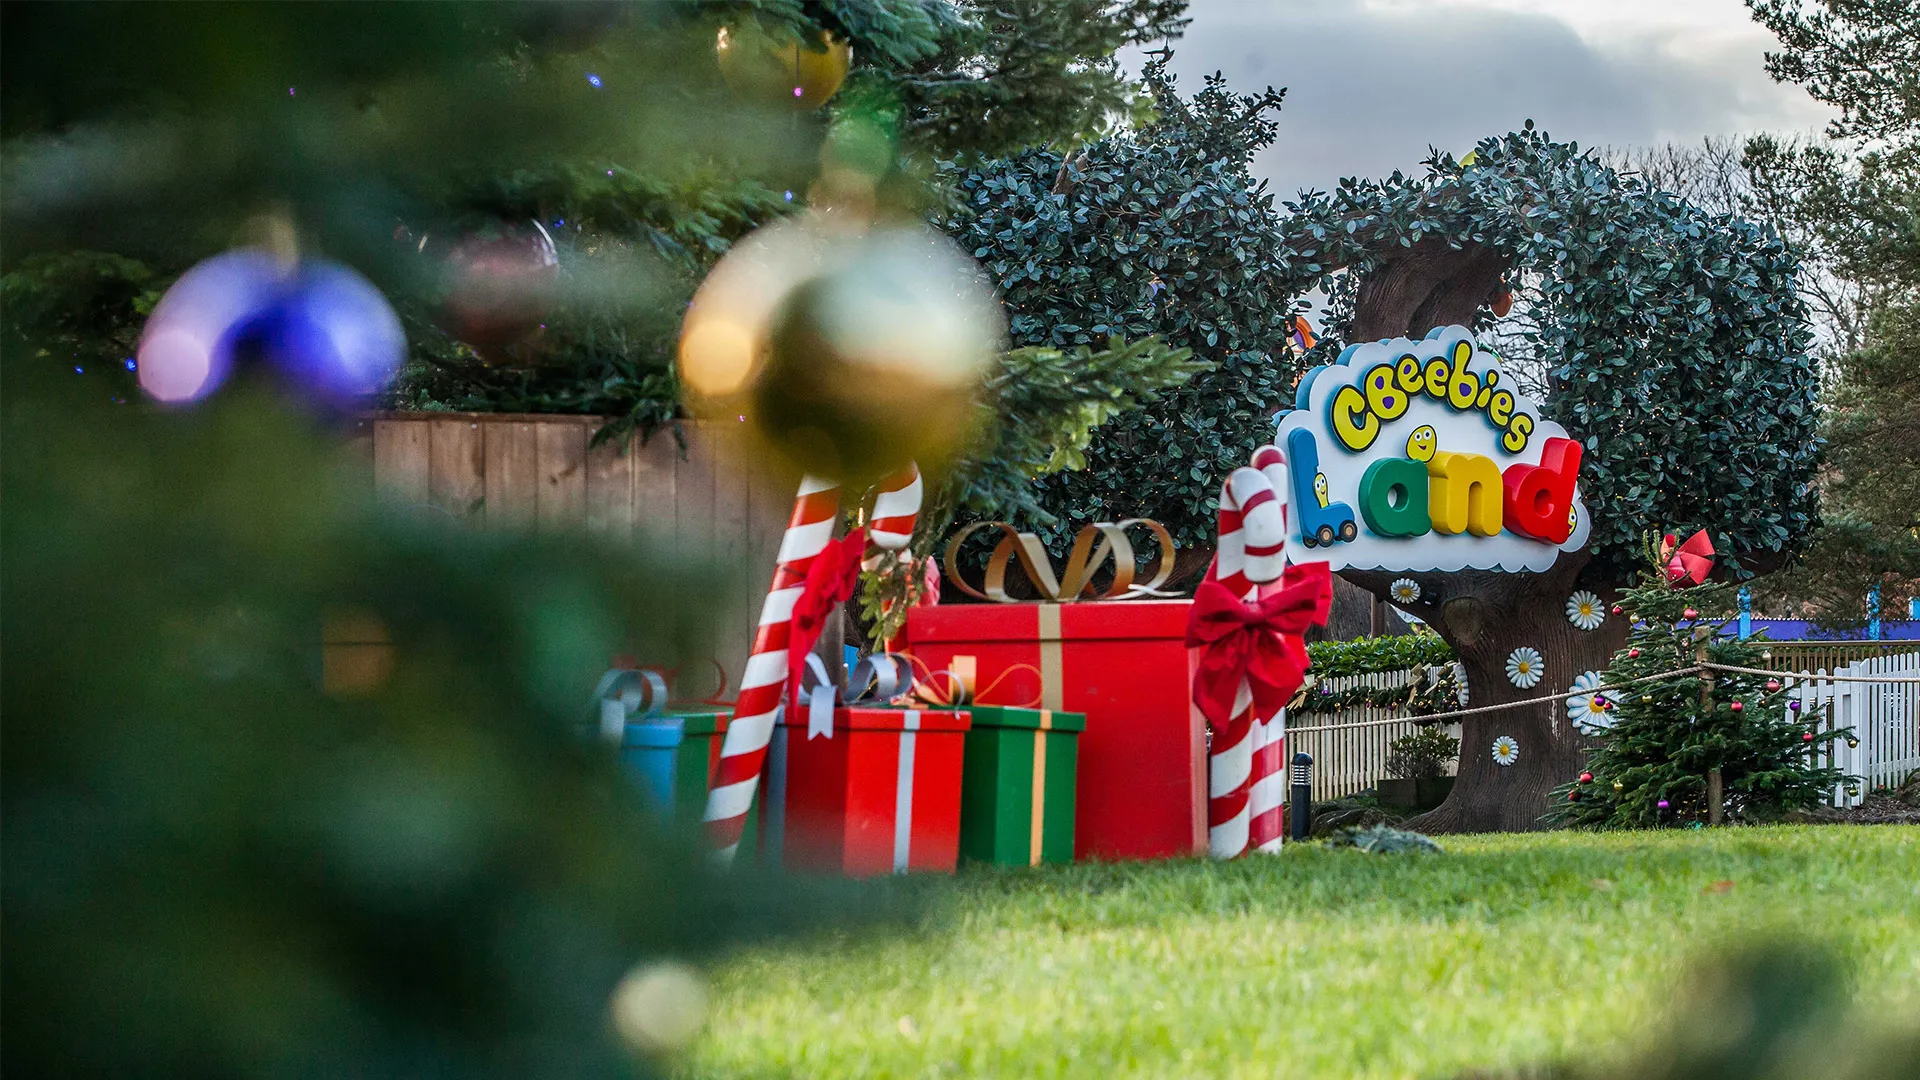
(1160, 231)
(1674, 344)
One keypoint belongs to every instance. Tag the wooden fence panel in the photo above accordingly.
(456, 464)
(512, 467)
(655, 474)
(609, 496)
(403, 461)
(532, 471)
(560, 502)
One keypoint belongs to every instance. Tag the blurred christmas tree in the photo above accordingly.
(212, 866)
(1662, 747)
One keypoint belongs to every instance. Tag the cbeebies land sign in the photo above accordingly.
(1421, 455)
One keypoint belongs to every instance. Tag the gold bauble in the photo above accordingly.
(802, 73)
(848, 351)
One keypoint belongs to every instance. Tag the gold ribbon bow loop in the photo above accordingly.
(1093, 548)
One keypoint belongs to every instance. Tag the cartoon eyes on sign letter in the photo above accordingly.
(1422, 443)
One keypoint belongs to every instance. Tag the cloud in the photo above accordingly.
(1372, 85)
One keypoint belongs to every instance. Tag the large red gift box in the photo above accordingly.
(880, 795)
(1142, 785)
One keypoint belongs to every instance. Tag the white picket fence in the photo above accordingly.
(1350, 747)
(1885, 718)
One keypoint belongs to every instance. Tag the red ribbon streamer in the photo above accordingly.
(1255, 640)
(830, 582)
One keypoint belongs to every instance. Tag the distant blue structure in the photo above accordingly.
(1746, 613)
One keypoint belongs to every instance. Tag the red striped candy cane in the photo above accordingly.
(757, 708)
(1249, 554)
(1267, 786)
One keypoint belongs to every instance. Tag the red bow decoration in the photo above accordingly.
(1691, 562)
(831, 579)
(1255, 641)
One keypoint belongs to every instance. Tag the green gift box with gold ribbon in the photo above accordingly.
(1017, 785)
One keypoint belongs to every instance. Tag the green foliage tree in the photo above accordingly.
(1675, 350)
(1858, 203)
(1037, 416)
(1162, 232)
(1660, 739)
(238, 874)
(229, 870)
(454, 121)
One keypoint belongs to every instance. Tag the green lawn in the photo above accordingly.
(1318, 963)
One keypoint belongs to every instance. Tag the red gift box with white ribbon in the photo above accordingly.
(879, 794)
(1142, 790)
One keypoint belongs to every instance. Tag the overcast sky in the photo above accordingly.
(1371, 83)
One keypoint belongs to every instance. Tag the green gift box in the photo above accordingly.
(1017, 785)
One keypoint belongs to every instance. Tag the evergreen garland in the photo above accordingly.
(1434, 686)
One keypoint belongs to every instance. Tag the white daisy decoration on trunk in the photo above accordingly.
(1584, 611)
(1581, 711)
(1404, 591)
(1505, 750)
(1524, 667)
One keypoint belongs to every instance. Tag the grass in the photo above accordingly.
(1507, 950)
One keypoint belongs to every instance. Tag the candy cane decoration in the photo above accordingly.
(1251, 553)
(1267, 786)
(757, 709)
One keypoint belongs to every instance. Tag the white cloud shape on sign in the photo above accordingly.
(1466, 431)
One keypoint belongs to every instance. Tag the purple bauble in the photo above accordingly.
(323, 329)
(1794, 705)
(1662, 804)
(181, 355)
(330, 334)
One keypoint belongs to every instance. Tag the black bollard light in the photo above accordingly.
(1300, 811)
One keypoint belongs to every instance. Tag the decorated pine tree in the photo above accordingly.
(1660, 748)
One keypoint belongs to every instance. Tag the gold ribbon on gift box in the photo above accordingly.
(1039, 784)
(1092, 548)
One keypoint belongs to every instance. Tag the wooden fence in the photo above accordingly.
(515, 471)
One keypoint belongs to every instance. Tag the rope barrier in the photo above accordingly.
(1432, 717)
(1689, 670)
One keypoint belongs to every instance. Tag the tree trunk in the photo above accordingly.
(1485, 616)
